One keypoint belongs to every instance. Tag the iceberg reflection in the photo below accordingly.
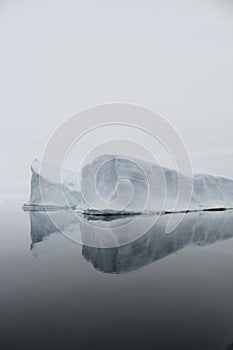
(198, 229)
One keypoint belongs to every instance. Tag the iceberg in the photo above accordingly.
(112, 184)
(115, 211)
(47, 191)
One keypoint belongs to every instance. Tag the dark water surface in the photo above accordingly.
(159, 292)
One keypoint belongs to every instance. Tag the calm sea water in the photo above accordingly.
(156, 293)
(160, 292)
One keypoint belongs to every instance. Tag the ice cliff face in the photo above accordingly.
(112, 182)
(46, 190)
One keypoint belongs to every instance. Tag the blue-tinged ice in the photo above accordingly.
(111, 182)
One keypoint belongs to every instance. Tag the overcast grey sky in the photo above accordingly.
(59, 56)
